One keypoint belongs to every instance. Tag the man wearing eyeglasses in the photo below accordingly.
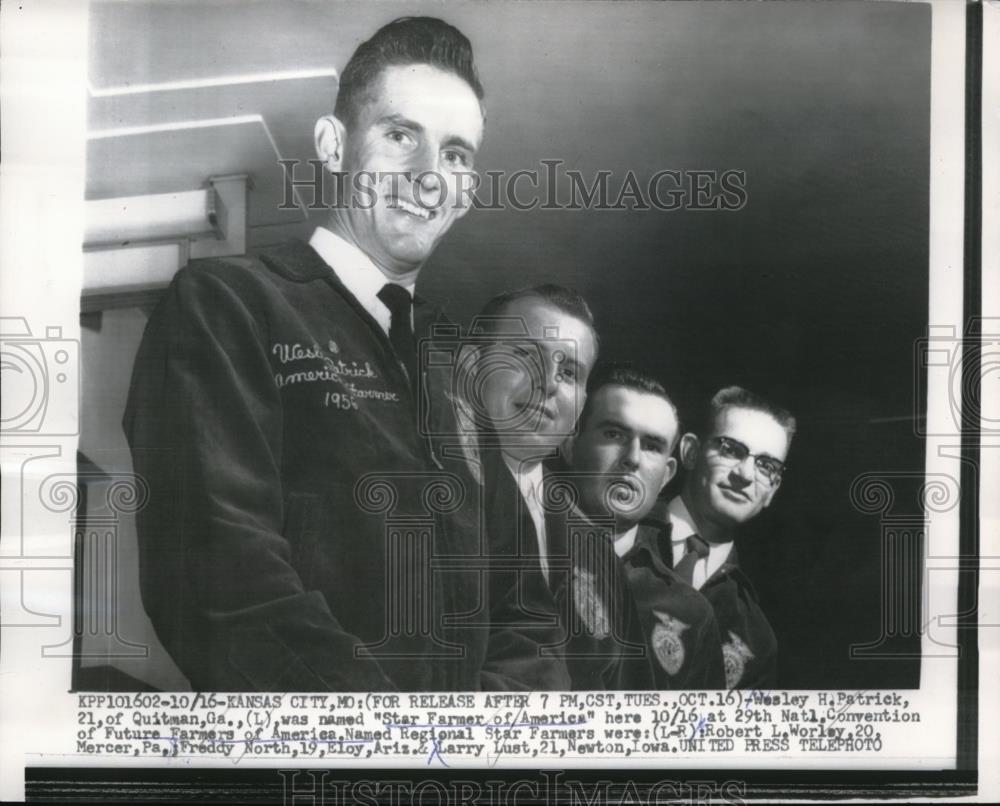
(734, 470)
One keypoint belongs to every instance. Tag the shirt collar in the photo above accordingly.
(528, 477)
(625, 541)
(681, 523)
(682, 527)
(356, 271)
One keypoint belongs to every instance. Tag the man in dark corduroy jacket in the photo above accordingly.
(312, 525)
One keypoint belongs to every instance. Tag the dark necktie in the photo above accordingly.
(697, 549)
(398, 300)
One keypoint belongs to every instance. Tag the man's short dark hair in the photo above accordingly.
(623, 374)
(407, 40)
(740, 398)
(560, 297)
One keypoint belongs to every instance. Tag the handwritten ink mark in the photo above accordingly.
(436, 751)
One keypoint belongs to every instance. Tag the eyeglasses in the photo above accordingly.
(767, 468)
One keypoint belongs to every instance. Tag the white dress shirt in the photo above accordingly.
(626, 540)
(529, 480)
(358, 274)
(682, 527)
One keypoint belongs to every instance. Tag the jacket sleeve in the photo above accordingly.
(204, 423)
(523, 653)
(705, 668)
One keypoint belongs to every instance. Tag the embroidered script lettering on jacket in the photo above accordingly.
(330, 370)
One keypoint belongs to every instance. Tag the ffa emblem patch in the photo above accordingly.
(735, 655)
(589, 604)
(667, 643)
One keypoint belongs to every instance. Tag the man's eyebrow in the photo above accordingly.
(570, 358)
(461, 142)
(395, 119)
(764, 455)
(658, 440)
(613, 423)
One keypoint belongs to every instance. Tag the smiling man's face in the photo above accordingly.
(721, 489)
(532, 388)
(412, 151)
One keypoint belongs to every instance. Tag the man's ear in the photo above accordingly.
(462, 188)
(669, 472)
(468, 363)
(689, 450)
(772, 491)
(329, 135)
(567, 448)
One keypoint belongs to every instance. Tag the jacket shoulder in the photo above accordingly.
(294, 262)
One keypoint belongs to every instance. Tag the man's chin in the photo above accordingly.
(735, 512)
(410, 250)
(625, 499)
(406, 260)
(598, 512)
(630, 514)
(529, 446)
(598, 505)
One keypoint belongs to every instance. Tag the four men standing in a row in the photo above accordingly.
(313, 522)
